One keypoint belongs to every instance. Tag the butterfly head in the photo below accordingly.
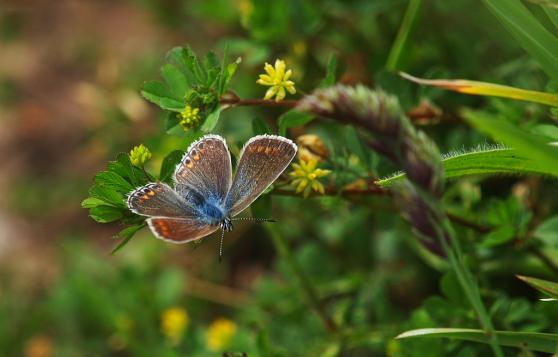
(226, 225)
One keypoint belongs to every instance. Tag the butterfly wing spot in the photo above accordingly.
(162, 228)
(158, 199)
(179, 230)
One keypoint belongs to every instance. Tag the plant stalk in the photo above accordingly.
(395, 55)
(304, 282)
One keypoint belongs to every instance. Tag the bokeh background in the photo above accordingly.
(70, 74)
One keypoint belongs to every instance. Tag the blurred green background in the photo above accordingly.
(70, 73)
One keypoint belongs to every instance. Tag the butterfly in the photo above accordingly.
(205, 197)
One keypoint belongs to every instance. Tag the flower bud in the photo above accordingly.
(139, 155)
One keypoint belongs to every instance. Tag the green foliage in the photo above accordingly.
(107, 196)
(189, 81)
(541, 44)
(531, 146)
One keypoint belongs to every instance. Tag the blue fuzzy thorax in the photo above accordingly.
(212, 211)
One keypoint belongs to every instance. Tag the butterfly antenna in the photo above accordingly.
(221, 246)
(253, 219)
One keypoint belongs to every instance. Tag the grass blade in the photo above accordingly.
(544, 286)
(488, 161)
(486, 89)
(542, 342)
(527, 145)
(529, 32)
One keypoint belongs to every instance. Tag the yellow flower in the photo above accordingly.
(173, 323)
(305, 177)
(139, 155)
(189, 117)
(278, 79)
(219, 334)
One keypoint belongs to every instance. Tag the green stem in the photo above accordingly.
(308, 289)
(395, 54)
(468, 283)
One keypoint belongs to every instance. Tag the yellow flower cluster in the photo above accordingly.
(305, 177)
(189, 117)
(219, 334)
(139, 155)
(173, 323)
(278, 79)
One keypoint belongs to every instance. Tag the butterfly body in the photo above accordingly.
(205, 197)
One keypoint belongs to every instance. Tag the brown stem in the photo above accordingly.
(257, 102)
(236, 101)
(378, 191)
(333, 191)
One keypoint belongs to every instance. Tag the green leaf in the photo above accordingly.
(484, 161)
(552, 12)
(527, 145)
(529, 32)
(546, 287)
(113, 181)
(211, 121)
(91, 202)
(291, 119)
(124, 168)
(182, 58)
(135, 175)
(211, 60)
(546, 3)
(499, 236)
(126, 235)
(171, 121)
(547, 231)
(108, 195)
(169, 164)
(546, 130)
(175, 80)
(157, 93)
(260, 126)
(329, 79)
(128, 232)
(105, 214)
(542, 342)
